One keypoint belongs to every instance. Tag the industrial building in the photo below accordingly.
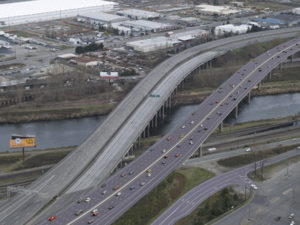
(230, 28)
(146, 25)
(216, 10)
(4, 44)
(296, 11)
(43, 10)
(138, 14)
(280, 20)
(190, 35)
(121, 29)
(152, 44)
(99, 18)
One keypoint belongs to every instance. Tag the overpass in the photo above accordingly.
(177, 145)
(96, 157)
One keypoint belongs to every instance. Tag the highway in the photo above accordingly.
(81, 168)
(196, 128)
(192, 199)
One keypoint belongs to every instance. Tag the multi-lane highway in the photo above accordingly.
(189, 201)
(131, 183)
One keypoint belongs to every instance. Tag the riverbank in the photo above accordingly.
(105, 99)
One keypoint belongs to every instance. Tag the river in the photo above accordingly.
(70, 132)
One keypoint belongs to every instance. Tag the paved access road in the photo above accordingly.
(183, 141)
(192, 199)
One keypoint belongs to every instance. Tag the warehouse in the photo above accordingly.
(99, 18)
(138, 14)
(230, 28)
(152, 44)
(216, 10)
(146, 25)
(43, 10)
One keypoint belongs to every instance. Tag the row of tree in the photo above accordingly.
(89, 48)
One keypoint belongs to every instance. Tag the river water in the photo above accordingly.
(73, 131)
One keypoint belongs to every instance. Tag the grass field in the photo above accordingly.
(162, 196)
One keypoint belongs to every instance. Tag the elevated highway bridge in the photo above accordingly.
(128, 185)
(96, 157)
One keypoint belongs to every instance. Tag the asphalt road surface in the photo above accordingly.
(184, 141)
(192, 199)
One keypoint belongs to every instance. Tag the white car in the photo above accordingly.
(248, 149)
(87, 199)
(118, 194)
(254, 186)
(183, 126)
(148, 174)
(292, 222)
(95, 210)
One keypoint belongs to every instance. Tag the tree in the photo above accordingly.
(79, 50)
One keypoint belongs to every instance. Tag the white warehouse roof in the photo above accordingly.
(213, 9)
(14, 13)
(152, 44)
(146, 24)
(103, 16)
(139, 13)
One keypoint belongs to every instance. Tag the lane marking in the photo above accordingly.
(182, 139)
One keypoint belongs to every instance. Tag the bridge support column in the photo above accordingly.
(210, 64)
(280, 66)
(259, 86)
(236, 112)
(200, 151)
(163, 111)
(221, 127)
(139, 141)
(292, 58)
(148, 130)
(155, 120)
(249, 97)
(270, 75)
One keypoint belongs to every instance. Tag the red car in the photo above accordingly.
(52, 218)
(217, 101)
(177, 155)
(116, 187)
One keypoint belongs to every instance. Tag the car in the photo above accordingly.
(131, 172)
(249, 81)
(292, 222)
(142, 183)
(87, 199)
(181, 135)
(259, 69)
(217, 101)
(278, 56)
(205, 128)
(164, 162)
(90, 221)
(248, 149)
(227, 103)
(292, 215)
(152, 148)
(166, 156)
(231, 85)
(103, 185)
(111, 207)
(192, 122)
(219, 113)
(234, 98)
(116, 187)
(132, 187)
(169, 138)
(104, 192)
(118, 194)
(95, 213)
(201, 125)
(177, 155)
(191, 138)
(183, 126)
(254, 186)
(123, 175)
(149, 170)
(298, 148)
(79, 212)
(179, 146)
(52, 218)
(80, 200)
(277, 218)
(148, 174)
(191, 142)
(164, 150)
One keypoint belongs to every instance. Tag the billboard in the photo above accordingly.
(21, 141)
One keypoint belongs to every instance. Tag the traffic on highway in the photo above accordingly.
(105, 203)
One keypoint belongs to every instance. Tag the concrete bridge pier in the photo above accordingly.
(259, 86)
(156, 122)
(236, 112)
(270, 75)
(292, 58)
(280, 66)
(249, 97)
(221, 127)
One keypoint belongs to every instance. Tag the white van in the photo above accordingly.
(212, 149)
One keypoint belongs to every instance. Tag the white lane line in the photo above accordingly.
(180, 140)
